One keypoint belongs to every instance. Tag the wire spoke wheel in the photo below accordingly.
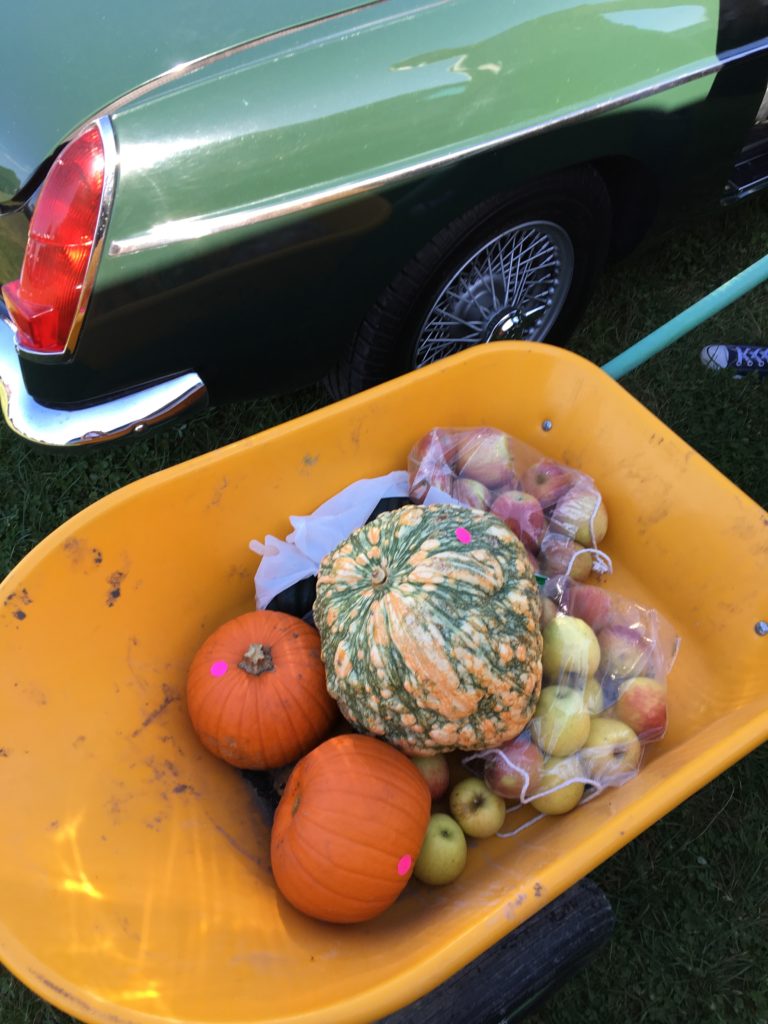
(513, 287)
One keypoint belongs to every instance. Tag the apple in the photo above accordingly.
(428, 466)
(594, 700)
(487, 455)
(612, 751)
(570, 648)
(512, 771)
(560, 724)
(561, 556)
(548, 610)
(480, 812)
(471, 493)
(625, 652)
(523, 514)
(642, 705)
(591, 693)
(436, 773)
(590, 603)
(547, 480)
(556, 775)
(580, 514)
(443, 853)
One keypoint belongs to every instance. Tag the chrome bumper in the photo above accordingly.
(105, 421)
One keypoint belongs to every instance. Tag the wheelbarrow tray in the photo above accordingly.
(135, 867)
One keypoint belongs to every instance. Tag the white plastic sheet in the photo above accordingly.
(297, 557)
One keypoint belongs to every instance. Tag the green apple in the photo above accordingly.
(560, 724)
(443, 853)
(612, 751)
(556, 775)
(570, 648)
(479, 811)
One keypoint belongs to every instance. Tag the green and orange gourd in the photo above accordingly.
(429, 622)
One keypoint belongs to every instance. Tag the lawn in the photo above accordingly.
(691, 893)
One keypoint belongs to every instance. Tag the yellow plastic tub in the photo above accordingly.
(134, 868)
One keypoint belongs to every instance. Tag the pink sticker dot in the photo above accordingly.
(218, 668)
(404, 864)
(464, 535)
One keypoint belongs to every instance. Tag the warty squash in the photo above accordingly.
(429, 623)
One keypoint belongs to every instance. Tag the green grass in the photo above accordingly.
(691, 893)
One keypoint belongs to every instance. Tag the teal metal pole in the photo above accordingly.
(696, 314)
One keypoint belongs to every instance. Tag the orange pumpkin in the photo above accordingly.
(256, 691)
(348, 829)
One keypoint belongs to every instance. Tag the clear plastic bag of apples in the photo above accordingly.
(603, 699)
(557, 511)
(605, 658)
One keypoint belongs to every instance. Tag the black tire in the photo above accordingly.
(388, 341)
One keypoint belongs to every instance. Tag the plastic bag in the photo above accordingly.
(603, 700)
(285, 563)
(557, 511)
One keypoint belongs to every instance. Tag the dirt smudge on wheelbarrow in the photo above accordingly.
(115, 581)
(169, 697)
(14, 602)
(73, 1000)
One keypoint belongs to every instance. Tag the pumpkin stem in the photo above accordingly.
(257, 659)
(378, 575)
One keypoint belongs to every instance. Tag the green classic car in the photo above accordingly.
(201, 202)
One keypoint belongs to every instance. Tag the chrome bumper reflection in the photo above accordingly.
(105, 421)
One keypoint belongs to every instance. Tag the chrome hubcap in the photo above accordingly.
(512, 288)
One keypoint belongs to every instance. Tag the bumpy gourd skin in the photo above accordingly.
(429, 623)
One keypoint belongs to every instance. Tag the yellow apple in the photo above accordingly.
(612, 751)
(479, 811)
(443, 853)
(570, 648)
(560, 724)
(557, 772)
(581, 515)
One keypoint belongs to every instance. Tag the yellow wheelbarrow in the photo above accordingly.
(136, 886)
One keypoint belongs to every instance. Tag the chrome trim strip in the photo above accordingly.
(194, 228)
(179, 397)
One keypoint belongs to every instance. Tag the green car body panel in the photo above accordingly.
(268, 191)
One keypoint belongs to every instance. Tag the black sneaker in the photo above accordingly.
(735, 357)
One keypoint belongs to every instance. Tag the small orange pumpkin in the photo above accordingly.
(348, 829)
(256, 691)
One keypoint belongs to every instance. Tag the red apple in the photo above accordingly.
(513, 770)
(642, 705)
(592, 604)
(428, 466)
(624, 652)
(548, 610)
(487, 455)
(436, 773)
(523, 514)
(547, 481)
(559, 555)
(471, 493)
(581, 515)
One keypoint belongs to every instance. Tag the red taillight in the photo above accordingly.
(62, 232)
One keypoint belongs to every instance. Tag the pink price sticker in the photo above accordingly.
(463, 535)
(404, 864)
(218, 668)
